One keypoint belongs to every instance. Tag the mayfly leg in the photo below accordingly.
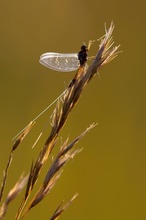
(92, 41)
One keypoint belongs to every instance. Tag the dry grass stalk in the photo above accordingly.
(66, 153)
(64, 106)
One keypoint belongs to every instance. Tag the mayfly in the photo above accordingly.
(63, 63)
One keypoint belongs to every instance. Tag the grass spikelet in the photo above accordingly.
(59, 210)
(12, 195)
(14, 147)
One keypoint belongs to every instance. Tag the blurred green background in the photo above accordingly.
(110, 173)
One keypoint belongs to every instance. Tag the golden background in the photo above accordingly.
(110, 173)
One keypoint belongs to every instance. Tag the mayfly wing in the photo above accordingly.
(60, 61)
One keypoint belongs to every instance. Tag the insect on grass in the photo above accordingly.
(64, 63)
(71, 96)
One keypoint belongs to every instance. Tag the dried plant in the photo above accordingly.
(60, 114)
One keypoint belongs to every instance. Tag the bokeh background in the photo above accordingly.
(110, 173)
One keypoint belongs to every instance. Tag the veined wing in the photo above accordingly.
(60, 61)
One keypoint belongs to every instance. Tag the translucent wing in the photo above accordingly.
(60, 61)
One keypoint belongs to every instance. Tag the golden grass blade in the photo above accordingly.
(23, 135)
(12, 195)
(14, 147)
